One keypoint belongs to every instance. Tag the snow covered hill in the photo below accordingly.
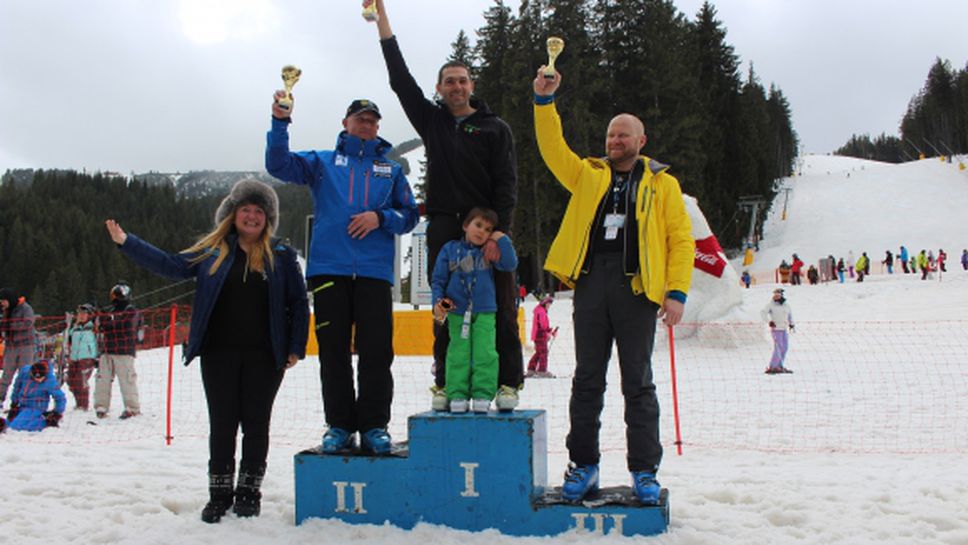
(841, 204)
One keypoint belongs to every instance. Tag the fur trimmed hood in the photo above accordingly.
(250, 191)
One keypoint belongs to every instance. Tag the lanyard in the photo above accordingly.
(619, 187)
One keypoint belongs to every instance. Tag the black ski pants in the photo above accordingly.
(441, 230)
(240, 388)
(340, 303)
(606, 310)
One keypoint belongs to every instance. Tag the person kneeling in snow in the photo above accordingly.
(32, 391)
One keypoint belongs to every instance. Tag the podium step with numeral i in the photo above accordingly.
(466, 471)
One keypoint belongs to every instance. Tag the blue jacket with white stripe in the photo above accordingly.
(354, 177)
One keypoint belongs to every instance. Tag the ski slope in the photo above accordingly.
(841, 204)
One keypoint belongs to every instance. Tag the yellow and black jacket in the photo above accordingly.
(666, 246)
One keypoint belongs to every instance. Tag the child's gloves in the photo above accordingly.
(52, 418)
(14, 409)
(772, 325)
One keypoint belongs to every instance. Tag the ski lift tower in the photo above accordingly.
(753, 204)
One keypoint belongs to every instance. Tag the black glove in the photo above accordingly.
(791, 327)
(52, 418)
(14, 409)
(772, 325)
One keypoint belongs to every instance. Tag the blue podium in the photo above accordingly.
(466, 471)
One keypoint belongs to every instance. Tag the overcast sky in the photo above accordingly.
(177, 85)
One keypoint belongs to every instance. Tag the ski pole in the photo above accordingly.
(675, 392)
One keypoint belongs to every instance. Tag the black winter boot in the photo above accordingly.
(248, 498)
(220, 496)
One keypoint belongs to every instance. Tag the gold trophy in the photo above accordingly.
(555, 47)
(370, 13)
(290, 75)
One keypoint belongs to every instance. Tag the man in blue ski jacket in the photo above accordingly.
(361, 200)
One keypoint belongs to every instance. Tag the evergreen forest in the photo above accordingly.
(934, 125)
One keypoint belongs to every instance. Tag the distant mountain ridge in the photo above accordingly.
(203, 183)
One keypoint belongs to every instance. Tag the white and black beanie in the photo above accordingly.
(250, 192)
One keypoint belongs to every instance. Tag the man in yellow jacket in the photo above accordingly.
(625, 244)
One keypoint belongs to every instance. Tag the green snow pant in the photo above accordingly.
(472, 362)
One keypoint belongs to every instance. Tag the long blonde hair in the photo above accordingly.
(214, 242)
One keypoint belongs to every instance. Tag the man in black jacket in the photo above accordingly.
(120, 330)
(470, 162)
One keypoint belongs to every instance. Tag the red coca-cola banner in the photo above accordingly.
(709, 256)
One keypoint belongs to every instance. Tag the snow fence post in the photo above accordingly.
(675, 390)
(171, 365)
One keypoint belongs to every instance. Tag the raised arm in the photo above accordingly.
(383, 22)
(418, 108)
(298, 168)
(560, 159)
(175, 266)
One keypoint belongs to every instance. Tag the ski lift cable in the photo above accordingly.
(163, 288)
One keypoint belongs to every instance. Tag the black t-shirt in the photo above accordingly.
(615, 230)
(240, 318)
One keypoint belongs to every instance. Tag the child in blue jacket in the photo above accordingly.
(83, 355)
(463, 295)
(32, 391)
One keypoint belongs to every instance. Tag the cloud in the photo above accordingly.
(215, 21)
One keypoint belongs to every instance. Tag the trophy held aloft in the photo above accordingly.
(290, 75)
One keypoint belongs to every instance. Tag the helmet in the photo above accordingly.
(39, 369)
(86, 307)
(121, 291)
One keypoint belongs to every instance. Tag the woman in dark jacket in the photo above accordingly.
(250, 322)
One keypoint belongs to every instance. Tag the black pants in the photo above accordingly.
(443, 229)
(240, 387)
(341, 302)
(605, 309)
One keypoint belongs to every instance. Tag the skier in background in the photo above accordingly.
(746, 279)
(120, 327)
(19, 337)
(795, 268)
(779, 316)
(541, 333)
(82, 355)
(35, 387)
(862, 266)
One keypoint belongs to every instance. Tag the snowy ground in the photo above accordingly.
(734, 485)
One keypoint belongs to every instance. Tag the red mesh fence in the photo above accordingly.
(886, 387)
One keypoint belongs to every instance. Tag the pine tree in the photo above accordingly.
(934, 122)
(462, 52)
(719, 85)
